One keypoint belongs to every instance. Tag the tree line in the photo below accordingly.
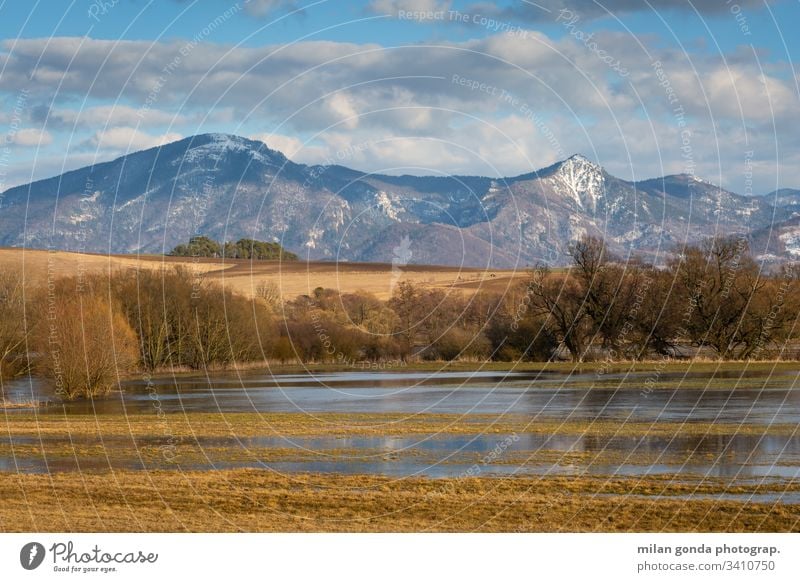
(710, 298)
(84, 333)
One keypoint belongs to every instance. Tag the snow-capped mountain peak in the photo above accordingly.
(225, 187)
(581, 180)
(215, 146)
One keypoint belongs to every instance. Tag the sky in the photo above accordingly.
(645, 88)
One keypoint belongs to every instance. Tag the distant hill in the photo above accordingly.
(228, 187)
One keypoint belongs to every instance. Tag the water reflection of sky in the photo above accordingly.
(732, 458)
(546, 397)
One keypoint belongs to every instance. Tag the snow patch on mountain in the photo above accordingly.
(791, 241)
(228, 186)
(386, 204)
(576, 227)
(581, 180)
(87, 209)
(219, 145)
(314, 235)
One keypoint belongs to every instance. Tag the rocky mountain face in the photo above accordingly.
(228, 187)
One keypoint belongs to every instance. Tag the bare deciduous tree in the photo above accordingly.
(269, 292)
(559, 301)
(730, 299)
(13, 324)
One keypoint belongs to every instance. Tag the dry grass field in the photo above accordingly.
(256, 500)
(243, 276)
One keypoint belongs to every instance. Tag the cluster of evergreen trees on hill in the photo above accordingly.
(245, 248)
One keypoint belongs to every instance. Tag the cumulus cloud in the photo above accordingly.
(126, 139)
(104, 115)
(288, 146)
(305, 81)
(394, 7)
(30, 137)
(418, 103)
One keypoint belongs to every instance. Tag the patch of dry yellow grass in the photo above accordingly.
(261, 500)
(251, 500)
(9, 405)
(38, 265)
(243, 424)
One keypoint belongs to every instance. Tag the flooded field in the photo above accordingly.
(721, 428)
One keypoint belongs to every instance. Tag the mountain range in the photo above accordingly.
(229, 187)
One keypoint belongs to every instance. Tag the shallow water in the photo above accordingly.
(541, 396)
(729, 457)
(735, 459)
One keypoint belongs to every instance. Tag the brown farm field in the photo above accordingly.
(292, 278)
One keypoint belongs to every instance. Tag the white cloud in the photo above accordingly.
(30, 137)
(419, 6)
(127, 139)
(404, 99)
(288, 146)
(342, 110)
(113, 115)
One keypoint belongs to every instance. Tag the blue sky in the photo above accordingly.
(410, 86)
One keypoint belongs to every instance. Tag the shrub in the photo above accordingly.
(157, 305)
(269, 292)
(13, 325)
(83, 343)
